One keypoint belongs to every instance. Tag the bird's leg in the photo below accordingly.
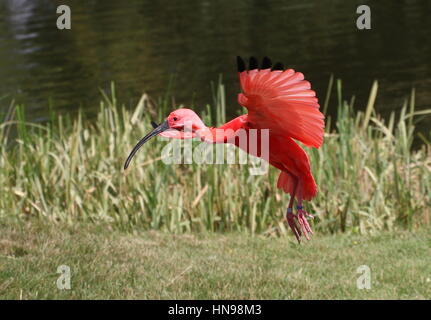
(290, 217)
(302, 216)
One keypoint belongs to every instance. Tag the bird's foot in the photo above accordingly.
(302, 216)
(304, 226)
(290, 217)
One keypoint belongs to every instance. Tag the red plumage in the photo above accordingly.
(283, 102)
(278, 100)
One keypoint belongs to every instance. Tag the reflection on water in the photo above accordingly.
(139, 44)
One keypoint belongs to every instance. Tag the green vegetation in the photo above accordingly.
(70, 170)
(108, 264)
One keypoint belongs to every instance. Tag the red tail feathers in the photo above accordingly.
(306, 182)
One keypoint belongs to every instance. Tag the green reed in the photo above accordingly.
(70, 170)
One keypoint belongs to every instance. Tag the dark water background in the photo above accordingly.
(140, 44)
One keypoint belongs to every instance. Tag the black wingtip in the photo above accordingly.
(253, 64)
(266, 63)
(278, 66)
(240, 63)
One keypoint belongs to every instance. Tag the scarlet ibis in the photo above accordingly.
(276, 99)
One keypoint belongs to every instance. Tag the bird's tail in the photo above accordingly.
(309, 187)
(307, 183)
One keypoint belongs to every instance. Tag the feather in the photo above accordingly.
(283, 102)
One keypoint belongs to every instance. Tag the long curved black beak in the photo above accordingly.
(157, 129)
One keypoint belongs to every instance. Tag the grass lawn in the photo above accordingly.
(107, 264)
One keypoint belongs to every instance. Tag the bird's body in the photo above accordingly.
(284, 154)
(280, 101)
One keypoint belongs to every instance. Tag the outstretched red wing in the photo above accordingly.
(283, 102)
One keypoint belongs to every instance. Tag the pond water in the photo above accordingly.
(142, 44)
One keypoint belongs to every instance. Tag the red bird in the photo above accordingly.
(279, 100)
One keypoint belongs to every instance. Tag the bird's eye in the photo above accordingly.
(175, 119)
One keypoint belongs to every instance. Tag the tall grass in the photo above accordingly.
(70, 170)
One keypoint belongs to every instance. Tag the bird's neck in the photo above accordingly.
(223, 133)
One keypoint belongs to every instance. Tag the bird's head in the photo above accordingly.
(184, 119)
(179, 122)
